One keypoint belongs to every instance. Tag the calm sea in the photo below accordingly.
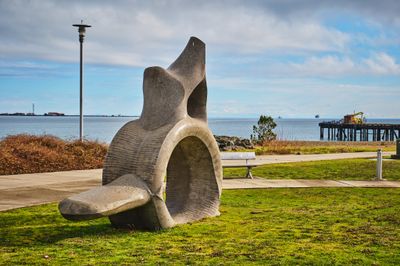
(104, 128)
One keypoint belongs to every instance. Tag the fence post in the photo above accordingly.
(379, 165)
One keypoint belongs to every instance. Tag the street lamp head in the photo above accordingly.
(82, 30)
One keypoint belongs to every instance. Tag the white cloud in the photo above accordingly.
(382, 64)
(143, 33)
(264, 52)
(378, 64)
(323, 66)
(306, 98)
(226, 108)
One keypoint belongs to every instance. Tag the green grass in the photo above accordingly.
(347, 169)
(344, 226)
(321, 147)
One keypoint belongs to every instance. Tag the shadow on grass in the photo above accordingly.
(21, 228)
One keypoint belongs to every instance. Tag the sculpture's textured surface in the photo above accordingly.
(171, 141)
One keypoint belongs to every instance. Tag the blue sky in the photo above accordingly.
(281, 58)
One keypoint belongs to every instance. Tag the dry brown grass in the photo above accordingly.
(315, 147)
(21, 154)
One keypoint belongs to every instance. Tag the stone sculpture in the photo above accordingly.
(171, 141)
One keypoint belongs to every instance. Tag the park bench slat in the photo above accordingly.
(238, 155)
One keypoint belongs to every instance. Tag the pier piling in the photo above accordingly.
(359, 132)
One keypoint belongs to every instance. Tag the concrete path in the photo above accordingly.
(18, 191)
(32, 189)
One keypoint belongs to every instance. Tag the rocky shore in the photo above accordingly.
(228, 143)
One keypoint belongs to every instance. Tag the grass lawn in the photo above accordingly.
(318, 147)
(272, 226)
(348, 169)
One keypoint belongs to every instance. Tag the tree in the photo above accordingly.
(263, 131)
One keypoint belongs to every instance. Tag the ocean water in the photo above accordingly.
(104, 128)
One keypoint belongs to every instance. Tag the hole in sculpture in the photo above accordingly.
(191, 181)
(197, 102)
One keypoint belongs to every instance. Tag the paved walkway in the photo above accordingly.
(18, 191)
(32, 189)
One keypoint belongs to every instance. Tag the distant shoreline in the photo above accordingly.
(70, 115)
(212, 118)
(104, 127)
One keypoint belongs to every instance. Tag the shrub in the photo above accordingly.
(263, 130)
(21, 154)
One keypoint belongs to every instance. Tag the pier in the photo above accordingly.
(340, 131)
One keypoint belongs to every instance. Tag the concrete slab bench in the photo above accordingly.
(244, 157)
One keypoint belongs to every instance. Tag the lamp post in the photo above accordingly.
(82, 30)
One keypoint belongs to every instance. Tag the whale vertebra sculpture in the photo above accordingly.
(171, 141)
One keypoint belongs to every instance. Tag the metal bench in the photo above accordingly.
(237, 156)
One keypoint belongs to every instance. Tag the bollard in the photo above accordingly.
(379, 165)
(397, 155)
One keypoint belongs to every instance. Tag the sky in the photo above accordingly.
(280, 58)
